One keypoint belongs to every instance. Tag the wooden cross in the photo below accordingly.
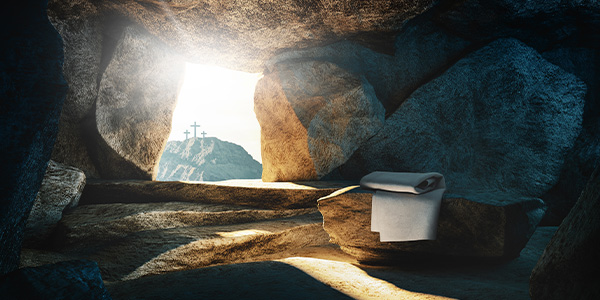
(203, 134)
(186, 132)
(194, 128)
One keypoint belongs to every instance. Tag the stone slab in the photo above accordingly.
(466, 228)
(237, 192)
(133, 240)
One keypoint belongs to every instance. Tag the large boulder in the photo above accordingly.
(61, 189)
(568, 267)
(75, 279)
(392, 77)
(308, 127)
(32, 91)
(501, 119)
(484, 229)
(80, 25)
(136, 98)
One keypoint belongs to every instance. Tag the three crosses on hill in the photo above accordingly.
(186, 132)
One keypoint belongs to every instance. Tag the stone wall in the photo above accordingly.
(32, 92)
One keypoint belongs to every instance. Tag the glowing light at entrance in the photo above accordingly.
(221, 101)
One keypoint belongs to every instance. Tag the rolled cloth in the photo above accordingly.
(405, 206)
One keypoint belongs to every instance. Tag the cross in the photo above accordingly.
(203, 134)
(186, 132)
(194, 128)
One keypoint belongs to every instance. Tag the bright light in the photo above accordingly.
(221, 101)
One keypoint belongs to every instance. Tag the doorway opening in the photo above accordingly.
(215, 135)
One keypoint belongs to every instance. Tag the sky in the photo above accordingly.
(221, 101)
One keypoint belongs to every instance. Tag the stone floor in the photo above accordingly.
(200, 250)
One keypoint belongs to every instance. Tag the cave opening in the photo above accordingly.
(214, 135)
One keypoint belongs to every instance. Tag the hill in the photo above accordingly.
(206, 159)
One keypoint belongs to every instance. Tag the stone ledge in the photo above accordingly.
(255, 193)
(466, 228)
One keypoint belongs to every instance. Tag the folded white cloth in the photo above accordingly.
(405, 205)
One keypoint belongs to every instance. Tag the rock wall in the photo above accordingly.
(124, 85)
(500, 119)
(137, 94)
(327, 121)
(556, 147)
(32, 92)
(330, 67)
(566, 269)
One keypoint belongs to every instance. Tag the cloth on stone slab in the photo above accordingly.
(405, 206)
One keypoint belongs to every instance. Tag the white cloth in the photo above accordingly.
(405, 205)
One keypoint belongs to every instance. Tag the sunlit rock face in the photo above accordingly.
(501, 119)
(136, 98)
(79, 24)
(327, 121)
(32, 91)
(243, 35)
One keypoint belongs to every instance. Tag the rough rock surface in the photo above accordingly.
(76, 279)
(540, 24)
(134, 240)
(60, 190)
(476, 229)
(579, 162)
(79, 24)
(307, 127)
(206, 159)
(320, 275)
(499, 120)
(32, 91)
(421, 50)
(567, 268)
(255, 193)
(243, 35)
(136, 98)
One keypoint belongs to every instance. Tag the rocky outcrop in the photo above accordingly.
(76, 279)
(206, 159)
(567, 269)
(80, 25)
(272, 195)
(136, 98)
(60, 190)
(420, 51)
(155, 238)
(32, 91)
(478, 229)
(244, 35)
(499, 120)
(324, 122)
(316, 274)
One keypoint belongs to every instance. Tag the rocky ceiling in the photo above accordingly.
(244, 34)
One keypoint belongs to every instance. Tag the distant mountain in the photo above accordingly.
(206, 159)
